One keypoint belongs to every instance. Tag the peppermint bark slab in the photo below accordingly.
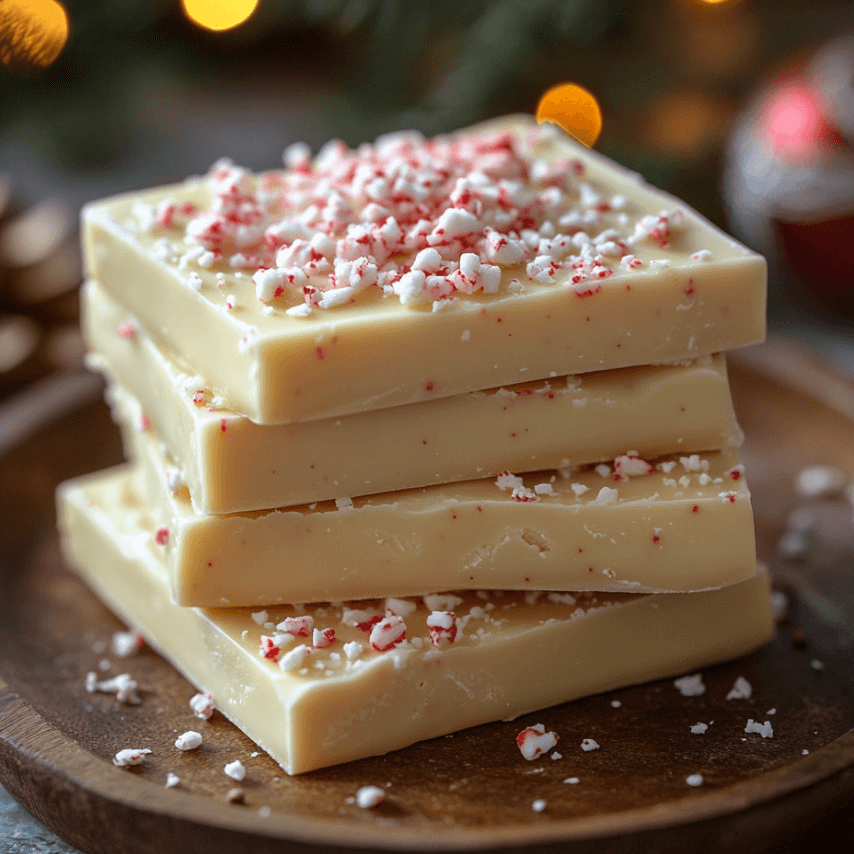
(679, 528)
(314, 689)
(412, 269)
(231, 464)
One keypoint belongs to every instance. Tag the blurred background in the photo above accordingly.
(743, 108)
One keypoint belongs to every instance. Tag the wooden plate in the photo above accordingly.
(472, 790)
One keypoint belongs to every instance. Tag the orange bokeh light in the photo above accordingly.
(574, 109)
(219, 15)
(32, 33)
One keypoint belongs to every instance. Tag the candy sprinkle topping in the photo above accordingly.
(421, 220)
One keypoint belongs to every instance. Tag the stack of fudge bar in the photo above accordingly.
(423, 435)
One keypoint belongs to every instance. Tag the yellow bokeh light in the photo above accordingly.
(574, 109)
(32, 33)
(219, 15)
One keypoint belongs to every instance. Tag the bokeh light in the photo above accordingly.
(219, 15)
(574, 109)
(32, 33)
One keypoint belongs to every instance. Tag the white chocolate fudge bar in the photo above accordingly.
(231, 464)
(414, 269)
(685, 526)
(313, 689)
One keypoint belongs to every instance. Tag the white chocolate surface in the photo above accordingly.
(470, 535)
(373, 352)
(331, 708)
(231, 464)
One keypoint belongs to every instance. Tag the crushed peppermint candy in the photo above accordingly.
(369, 797)
(442, 626)
(442, 601)
(130, 756)
(631, 464)
(535, 741)
(699, 728)
(419, 219)
(765, 730)
(538, 805)
(235, 770)
(300, 626)
(690, 686)
(607, 495)
(589, 744)
(741, 690)
(294, 659)
(388, 633)
(694, 780)
(124, 644)
(506, 480)
(123, 686)
(172, 780)
(189, 740)
(202, 705)
(400, 607)
(322, 638)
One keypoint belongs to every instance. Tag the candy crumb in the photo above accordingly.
(124, 644)
(589, 744)
(202, 705)
(172, 780)
(699, 729)
(694, 780)
(741, 690)
(765, 730)
(130, 756)
(539, 805)
(235, 770)
(690, 686)
(189, 740)
(573, 781)
(369, 796)
(534, 741)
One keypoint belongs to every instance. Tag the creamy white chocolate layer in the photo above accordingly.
(652, 291)
(231, 464)
(689, 529)
(322, 699)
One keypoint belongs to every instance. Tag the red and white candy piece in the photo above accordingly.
(535, 741)
(388, 633)
(202, 705)
(442, 626)
(130, 756)
(322, 638)
(369, 796)
(299, 626)
(631, 464)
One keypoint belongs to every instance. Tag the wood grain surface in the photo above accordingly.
(472, 790)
